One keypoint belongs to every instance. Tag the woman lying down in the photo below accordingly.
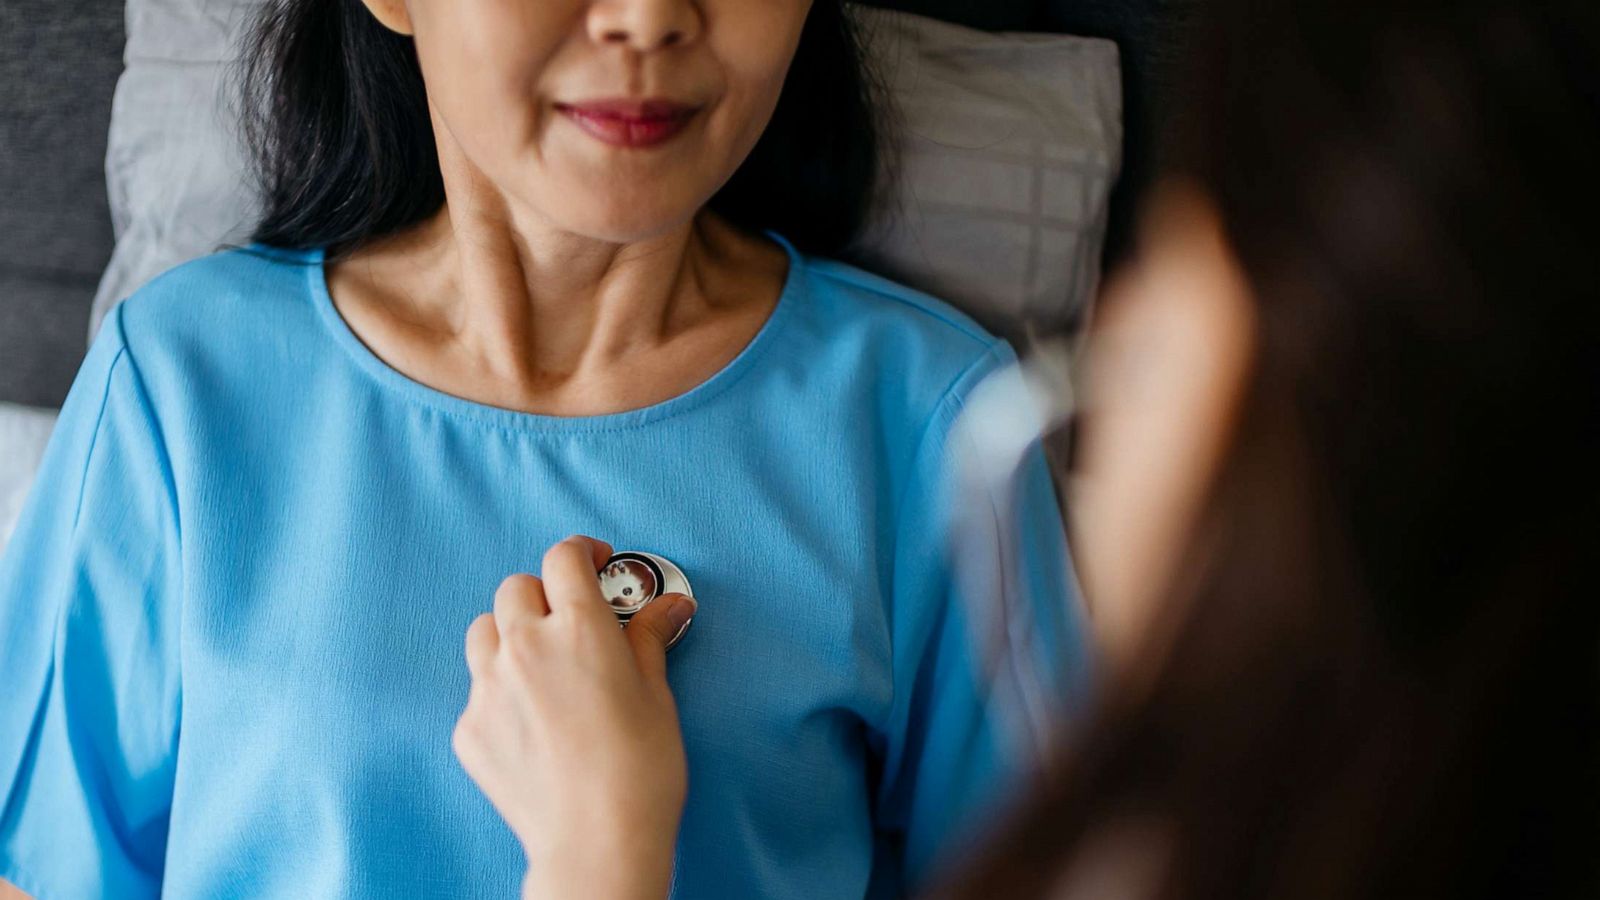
(524, 271)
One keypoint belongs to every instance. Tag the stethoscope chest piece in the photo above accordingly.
(631, 579)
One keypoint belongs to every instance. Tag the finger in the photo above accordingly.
(483, 641)
(651, 629)
(520, 596)
(601, 550)
(571, 577)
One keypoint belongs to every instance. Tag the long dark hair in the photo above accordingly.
(335, 113)
(1383, 674)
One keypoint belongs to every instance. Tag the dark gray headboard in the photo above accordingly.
(59, 64)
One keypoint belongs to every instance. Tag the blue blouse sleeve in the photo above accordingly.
(89, 684)
(991, 646)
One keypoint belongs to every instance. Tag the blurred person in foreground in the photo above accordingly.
(1338, 521)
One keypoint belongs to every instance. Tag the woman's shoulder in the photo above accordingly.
(913, 339)
(870, 298)
(213, 300)
(230, 315)
(231, 282)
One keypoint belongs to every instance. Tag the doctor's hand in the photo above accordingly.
(571, 730)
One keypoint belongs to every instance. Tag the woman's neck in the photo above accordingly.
(534, 304)
(523, 315)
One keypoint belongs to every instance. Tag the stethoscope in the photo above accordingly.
(631, 579)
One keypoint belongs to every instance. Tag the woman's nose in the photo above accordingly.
(644, 25)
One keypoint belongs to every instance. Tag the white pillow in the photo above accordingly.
(1010, 146)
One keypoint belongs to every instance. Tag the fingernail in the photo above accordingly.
(681, 610)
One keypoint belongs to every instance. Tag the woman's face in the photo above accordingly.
(1168, 365)
(503, 74)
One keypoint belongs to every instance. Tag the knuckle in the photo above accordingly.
(522, 649)
(576, 636)
(564, 625)
(478, 631)
(516, 584)
(566, 546)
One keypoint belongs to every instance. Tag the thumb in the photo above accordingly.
(652, 628)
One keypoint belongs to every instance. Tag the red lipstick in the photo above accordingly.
(624, 122)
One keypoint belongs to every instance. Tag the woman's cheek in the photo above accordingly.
(753, 45)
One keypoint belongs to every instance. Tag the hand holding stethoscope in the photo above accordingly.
(571, 730)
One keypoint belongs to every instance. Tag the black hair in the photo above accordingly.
(335, 114)
(1378, 674)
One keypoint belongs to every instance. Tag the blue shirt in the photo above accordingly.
(232, 613)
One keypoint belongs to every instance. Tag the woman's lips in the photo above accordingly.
(629, 123)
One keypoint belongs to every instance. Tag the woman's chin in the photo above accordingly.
(622, 223)
(616, 196)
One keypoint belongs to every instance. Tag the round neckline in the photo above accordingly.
(394, 380)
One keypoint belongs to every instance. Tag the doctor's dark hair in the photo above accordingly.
(1377, 674)
(335, 114)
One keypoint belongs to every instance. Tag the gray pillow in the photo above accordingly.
(1009, 146)
(175, 173)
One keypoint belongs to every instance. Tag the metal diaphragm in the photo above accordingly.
(631, 579)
